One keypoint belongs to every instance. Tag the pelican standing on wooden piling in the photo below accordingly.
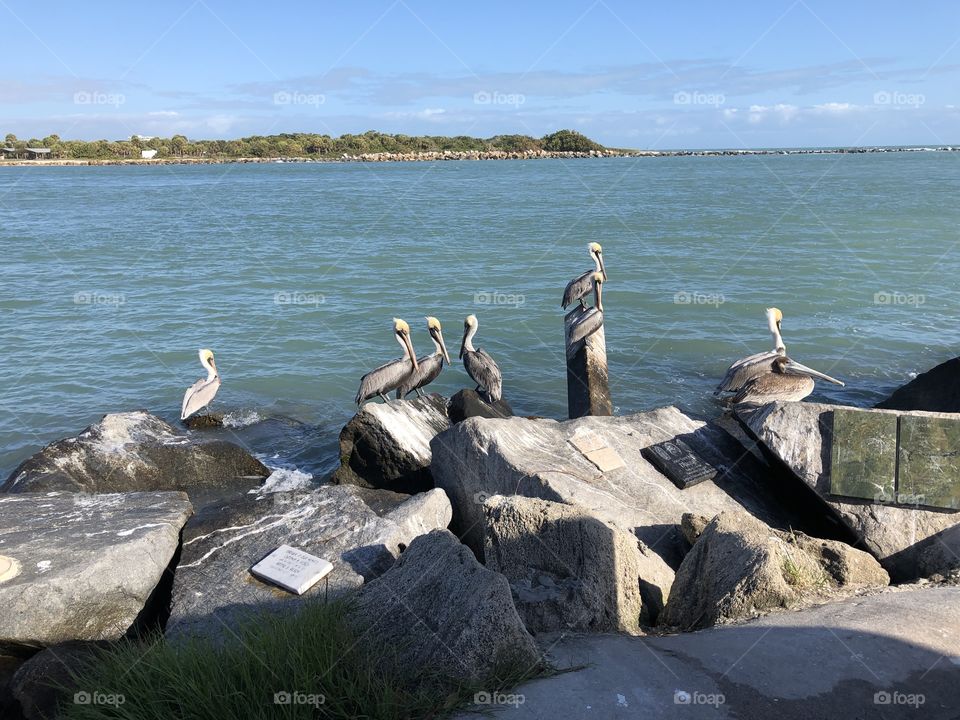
(783, 379)
(388, 377)
(745, 369)
(202, 392)
(582, 285)
(481, 368)
(429, 366)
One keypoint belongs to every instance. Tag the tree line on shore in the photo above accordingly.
(292, 145)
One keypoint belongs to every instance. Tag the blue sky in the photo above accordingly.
(659, 75)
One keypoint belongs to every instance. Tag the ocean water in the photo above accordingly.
(113, 277)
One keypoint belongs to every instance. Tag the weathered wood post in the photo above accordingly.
(588, 386)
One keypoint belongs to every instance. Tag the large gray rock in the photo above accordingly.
(445, 614)
(909, 542)
(46, 679)
(739, 568)
(387, 445)
(479, 458)
(937, 390)
(467, 403)
(134, 451)
(89, 563)
(570, 571)
(213, 584)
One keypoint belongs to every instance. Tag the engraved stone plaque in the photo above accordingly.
(929, 462)
(292, 569)
(9, 568)
(675, 459)
(863, 459)
(595, 449)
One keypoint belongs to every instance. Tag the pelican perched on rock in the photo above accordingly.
(783, 379)
(388, 377)
(202, 392)
(480, 366)
(582, 285)
(429, 366)
(745, 369)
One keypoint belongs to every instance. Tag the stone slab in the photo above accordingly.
(292, 569)
(929, 462)
(675, 459)
(864, 455)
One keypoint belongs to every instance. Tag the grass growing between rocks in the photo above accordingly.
(307, 665)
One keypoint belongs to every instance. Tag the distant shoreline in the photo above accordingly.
(434, 156)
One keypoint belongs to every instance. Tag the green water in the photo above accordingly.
(114, 276)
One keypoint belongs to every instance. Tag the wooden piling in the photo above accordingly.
(588, 385)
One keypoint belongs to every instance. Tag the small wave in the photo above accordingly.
(241, 418)
(285, 480)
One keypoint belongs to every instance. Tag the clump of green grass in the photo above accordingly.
(311, 664)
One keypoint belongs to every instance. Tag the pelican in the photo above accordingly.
(745, 369)
(429, 366)
(481, 368)
(782, 379)
(202, 392)
(580, 286)
(389, 376)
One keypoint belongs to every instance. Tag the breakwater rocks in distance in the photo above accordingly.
(440, 155)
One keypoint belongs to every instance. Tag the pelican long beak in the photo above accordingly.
(443, 346)
(597, 293)
(409, 345)
(463, 343)
(798, 369)
(603, 268)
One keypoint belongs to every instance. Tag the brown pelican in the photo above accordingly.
(429, 366)
(481, 368)
(745, 369)
(201, 393)
(388, 377)
(783, 379)
(580, 286)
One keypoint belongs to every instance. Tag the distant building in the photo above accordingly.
(38, 153)
(147, 154)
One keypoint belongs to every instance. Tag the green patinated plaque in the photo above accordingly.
(863, 459)
(929, 462)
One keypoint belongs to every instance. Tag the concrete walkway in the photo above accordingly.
(891, 655)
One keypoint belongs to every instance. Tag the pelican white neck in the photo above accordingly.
(468, 338)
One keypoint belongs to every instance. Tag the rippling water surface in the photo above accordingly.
(114, 276)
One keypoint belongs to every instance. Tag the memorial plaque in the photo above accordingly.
(595, 449)
(675, 459)
(863, 458)
(292, 569)
(587, 442)
(9, 568)
(929, 462)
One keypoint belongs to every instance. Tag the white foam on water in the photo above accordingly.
(241, 418)
(285, 480)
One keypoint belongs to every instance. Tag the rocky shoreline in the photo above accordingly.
(466, 535)
(438, 156)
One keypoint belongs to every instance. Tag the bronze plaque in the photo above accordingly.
(863, 459)
(929, 462)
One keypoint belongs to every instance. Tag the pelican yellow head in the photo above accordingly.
(596, 252)
(402, 330)
(433, 327)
